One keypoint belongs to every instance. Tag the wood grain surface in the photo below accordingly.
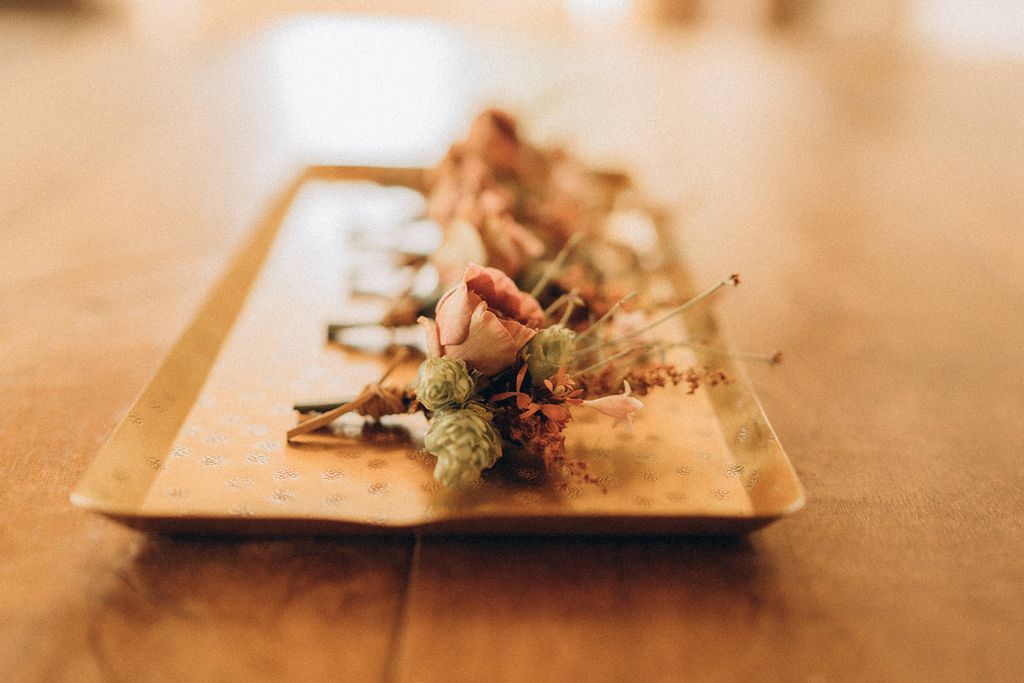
(869, 192)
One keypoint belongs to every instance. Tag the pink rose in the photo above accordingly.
(485, 320)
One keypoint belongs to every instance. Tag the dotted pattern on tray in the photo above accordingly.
(231, 458)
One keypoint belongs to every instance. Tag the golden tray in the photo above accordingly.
(203, 449)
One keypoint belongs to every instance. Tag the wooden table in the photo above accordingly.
(870, 195)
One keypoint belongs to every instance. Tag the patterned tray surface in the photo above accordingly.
(204, 448)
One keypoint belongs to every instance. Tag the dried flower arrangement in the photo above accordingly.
(534, 317)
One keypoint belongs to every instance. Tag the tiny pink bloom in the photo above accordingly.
(620, 406)
(485, 320)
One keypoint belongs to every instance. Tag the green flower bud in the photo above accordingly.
(464, 442)
(444, 383)
(550, 349)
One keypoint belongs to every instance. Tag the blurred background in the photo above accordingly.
(392, 83)
(166, 124)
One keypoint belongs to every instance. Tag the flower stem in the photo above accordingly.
(609, 359)
(560, 301)
(573, 300)
(555, 265)
(772, 359)
(607, 315)
(331, 415)
(731, 280)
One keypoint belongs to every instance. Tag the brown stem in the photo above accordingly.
(367, 394)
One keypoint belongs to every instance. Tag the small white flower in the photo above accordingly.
(620, 406)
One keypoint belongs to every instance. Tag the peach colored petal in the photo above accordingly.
(520, 333)
(501, 293)
(530, 312)
(453, 313)
(431, 334)
(488, 348)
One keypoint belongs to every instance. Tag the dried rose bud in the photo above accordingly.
(485, 320)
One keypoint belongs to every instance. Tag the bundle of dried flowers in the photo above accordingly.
(542, 329)
(500, 372)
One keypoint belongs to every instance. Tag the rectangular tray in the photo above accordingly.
(203, 448)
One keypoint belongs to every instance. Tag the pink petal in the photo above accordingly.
(431, 334)
(488, 347)
(501, 294)
(453, 313)
(520, 333)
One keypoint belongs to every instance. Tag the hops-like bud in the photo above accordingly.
(444, 383)
(550, 349)
(464, 442)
